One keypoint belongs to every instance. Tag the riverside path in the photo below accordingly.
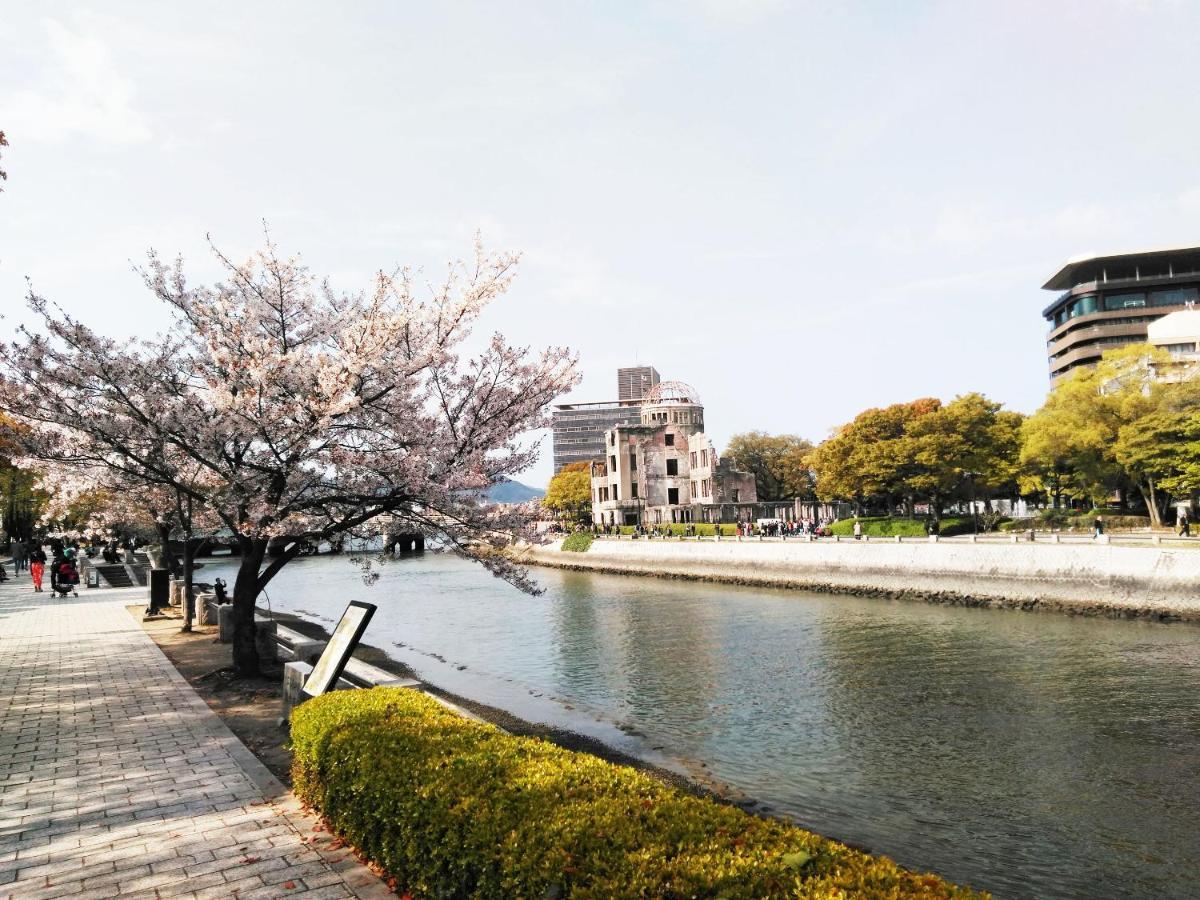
(116, 779)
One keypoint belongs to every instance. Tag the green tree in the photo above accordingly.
(1076, 431)
(778, 462)
(969, 441)
(569, 494)
(1161, 449)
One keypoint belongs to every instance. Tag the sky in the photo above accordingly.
(802, 209)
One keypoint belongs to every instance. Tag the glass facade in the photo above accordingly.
(1174, 296)
(1124, 301)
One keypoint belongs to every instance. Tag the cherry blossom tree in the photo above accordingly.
(294, 412)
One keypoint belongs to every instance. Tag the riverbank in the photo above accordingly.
(1155, 583)
(251, 707)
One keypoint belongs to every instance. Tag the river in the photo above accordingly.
(1032, 755)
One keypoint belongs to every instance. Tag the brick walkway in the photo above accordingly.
(116, 779)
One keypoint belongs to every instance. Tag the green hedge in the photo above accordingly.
(890, 526)
(578, 542)
(1072, 519)
(454, 808)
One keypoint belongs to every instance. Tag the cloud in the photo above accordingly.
(964, 225)
(82, 93)
(1189, 201)
(726, 12)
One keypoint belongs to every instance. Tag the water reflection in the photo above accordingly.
(1032, 755)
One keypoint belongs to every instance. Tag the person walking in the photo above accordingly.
(20, 552)
(1185, 526)
(37, 566)
(857, 530)
(1097, 527)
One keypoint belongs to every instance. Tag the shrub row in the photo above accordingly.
(579, 542)
(454, 808)
(890, 526)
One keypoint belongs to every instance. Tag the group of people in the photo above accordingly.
(64, 570)
(771, 528)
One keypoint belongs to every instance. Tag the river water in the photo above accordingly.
(1032, 755)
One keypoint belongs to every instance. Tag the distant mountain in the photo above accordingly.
(508, 491)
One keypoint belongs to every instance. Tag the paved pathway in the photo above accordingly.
(116, 779)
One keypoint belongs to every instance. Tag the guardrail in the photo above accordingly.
(994, 537)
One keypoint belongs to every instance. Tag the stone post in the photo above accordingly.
(294, 676)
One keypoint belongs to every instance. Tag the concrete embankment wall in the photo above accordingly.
(1102, 579)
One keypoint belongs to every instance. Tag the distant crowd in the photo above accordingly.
(766, 528)
(62, 563)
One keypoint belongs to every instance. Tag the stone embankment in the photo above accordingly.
(1147, 582)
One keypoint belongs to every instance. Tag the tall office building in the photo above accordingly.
(1109, 301)
(579, 427)
(634, 383)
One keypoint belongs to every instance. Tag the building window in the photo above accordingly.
(669, 439)
(632, 461)
(1179, 349)
(673, 496)
(707, 487)
(734, 495)
(704, 457)
(616, 491)
(1121, 301)
(672, 467)
(693, 459)
(633, 490)
(612, 463)
(1174, 297)
(693, 486)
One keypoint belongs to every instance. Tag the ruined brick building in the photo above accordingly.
(666, 469)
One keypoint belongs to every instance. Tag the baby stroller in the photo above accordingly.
(68, 577)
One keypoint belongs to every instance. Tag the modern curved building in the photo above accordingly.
(1109, 301)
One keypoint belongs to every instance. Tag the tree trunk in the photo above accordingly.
(1151, 497)
(189, 591)
(245, 593)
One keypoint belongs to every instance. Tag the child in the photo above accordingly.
(37, 567)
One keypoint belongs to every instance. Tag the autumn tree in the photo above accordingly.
(569, 494)
(312, 414)
(779, 463)
(922, 449)
(867, 459)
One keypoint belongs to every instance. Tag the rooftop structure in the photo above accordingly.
(578, 428)
(635, 382)
(1110, 301)
(1179, 334)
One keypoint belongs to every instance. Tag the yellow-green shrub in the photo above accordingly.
(455, 808)
(579, 542)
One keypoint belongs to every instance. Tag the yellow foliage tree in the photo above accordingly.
(569, 494)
